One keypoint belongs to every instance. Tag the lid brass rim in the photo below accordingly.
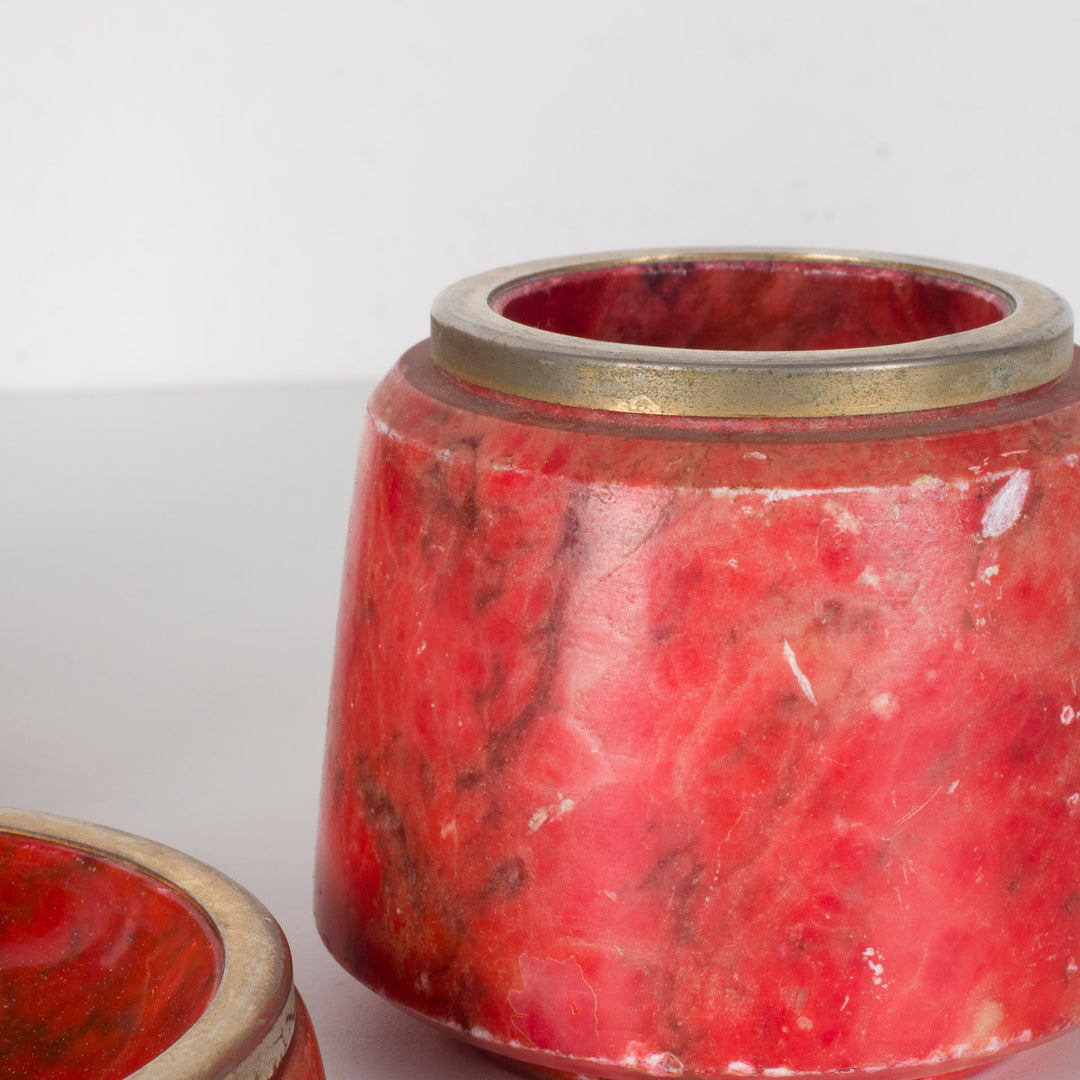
(247, 1027)
(1029, 346)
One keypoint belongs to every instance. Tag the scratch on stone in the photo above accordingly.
(738, 818)
(803, 681)
(922, 806)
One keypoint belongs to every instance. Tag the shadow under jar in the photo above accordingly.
(707, 669)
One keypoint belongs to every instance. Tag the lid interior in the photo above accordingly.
(102, 966)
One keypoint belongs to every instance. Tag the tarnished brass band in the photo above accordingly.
(1029, 346)
(249, 1023)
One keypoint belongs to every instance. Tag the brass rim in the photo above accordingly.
(249, 1023)
(1029, 346)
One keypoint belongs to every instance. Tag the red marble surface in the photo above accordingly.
(754, 305)
(710, 748)
(101, 967)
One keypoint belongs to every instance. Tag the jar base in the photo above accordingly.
(542, 1072)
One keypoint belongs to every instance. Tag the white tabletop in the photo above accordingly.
(169, 571)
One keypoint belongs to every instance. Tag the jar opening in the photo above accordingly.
(751, 305)
(759, 332)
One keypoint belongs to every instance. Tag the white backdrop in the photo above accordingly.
(233, 191)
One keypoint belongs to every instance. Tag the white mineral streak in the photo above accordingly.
(772, 495)
(665, 1063)
(782, 494)
(873, 960)
(987, 1024)
(884, 706)
(741, 1068)
(869, 577)
(843, 518)
(1006, 506)
(803, 681)
(543, 815)
(443, 453)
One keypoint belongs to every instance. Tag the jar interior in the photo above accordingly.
(751, 305)
(102, 967)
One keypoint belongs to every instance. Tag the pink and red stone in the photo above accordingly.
(707, 747)
(102, 968)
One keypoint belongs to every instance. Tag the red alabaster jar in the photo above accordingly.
(123, 958)
(707, 669)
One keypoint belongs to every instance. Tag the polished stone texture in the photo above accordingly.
(711, 748)
(101, 967)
